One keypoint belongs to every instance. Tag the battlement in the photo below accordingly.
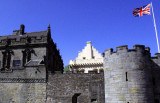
(19, 37)
(128, 66)
(157, 56)
(124, 49)
(29, 38)
(156, 60)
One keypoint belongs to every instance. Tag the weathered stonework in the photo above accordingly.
(25, 61)
(66, 88)
(23, 92)
(129, 76)
(31, 72)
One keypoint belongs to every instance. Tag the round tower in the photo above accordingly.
(128, 75)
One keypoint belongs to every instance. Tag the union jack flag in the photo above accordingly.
(142, 10)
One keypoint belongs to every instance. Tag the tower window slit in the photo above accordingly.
(126, 76)
(154, 81)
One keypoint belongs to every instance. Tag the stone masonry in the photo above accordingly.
(25, 60)
(76, 88)
(131, 76)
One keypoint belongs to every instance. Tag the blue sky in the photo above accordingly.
(107, 23)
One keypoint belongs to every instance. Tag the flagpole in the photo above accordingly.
(155, 28)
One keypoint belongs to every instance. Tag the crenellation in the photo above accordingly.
(156, 60)
(23, 41)
(108, 52)
(147, 49)
(157, 55)
(121, 49)
(139, 47)
(131, 71)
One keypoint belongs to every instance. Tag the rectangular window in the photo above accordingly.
(126, 76)
(156, 101)
(16, 63)
(93, 100)
(154, 81)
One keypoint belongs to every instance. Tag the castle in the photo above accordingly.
(32, 72)
(131, 75)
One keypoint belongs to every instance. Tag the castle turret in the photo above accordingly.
(128, 75)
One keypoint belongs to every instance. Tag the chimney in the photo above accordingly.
(22, 29)
(19, 32)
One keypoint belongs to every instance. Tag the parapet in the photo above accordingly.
(19, 37)
(157, 55)
(156, 58)
(124, 49)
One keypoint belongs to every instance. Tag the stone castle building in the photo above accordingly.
(88, 60)
(31, 71)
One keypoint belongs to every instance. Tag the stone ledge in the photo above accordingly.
(18, 80)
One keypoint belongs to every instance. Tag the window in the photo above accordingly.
(154, 81)
(156, 101)
(93, 100)
(126, 76)
(27, 55)
(16, 63)
(7, 58)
